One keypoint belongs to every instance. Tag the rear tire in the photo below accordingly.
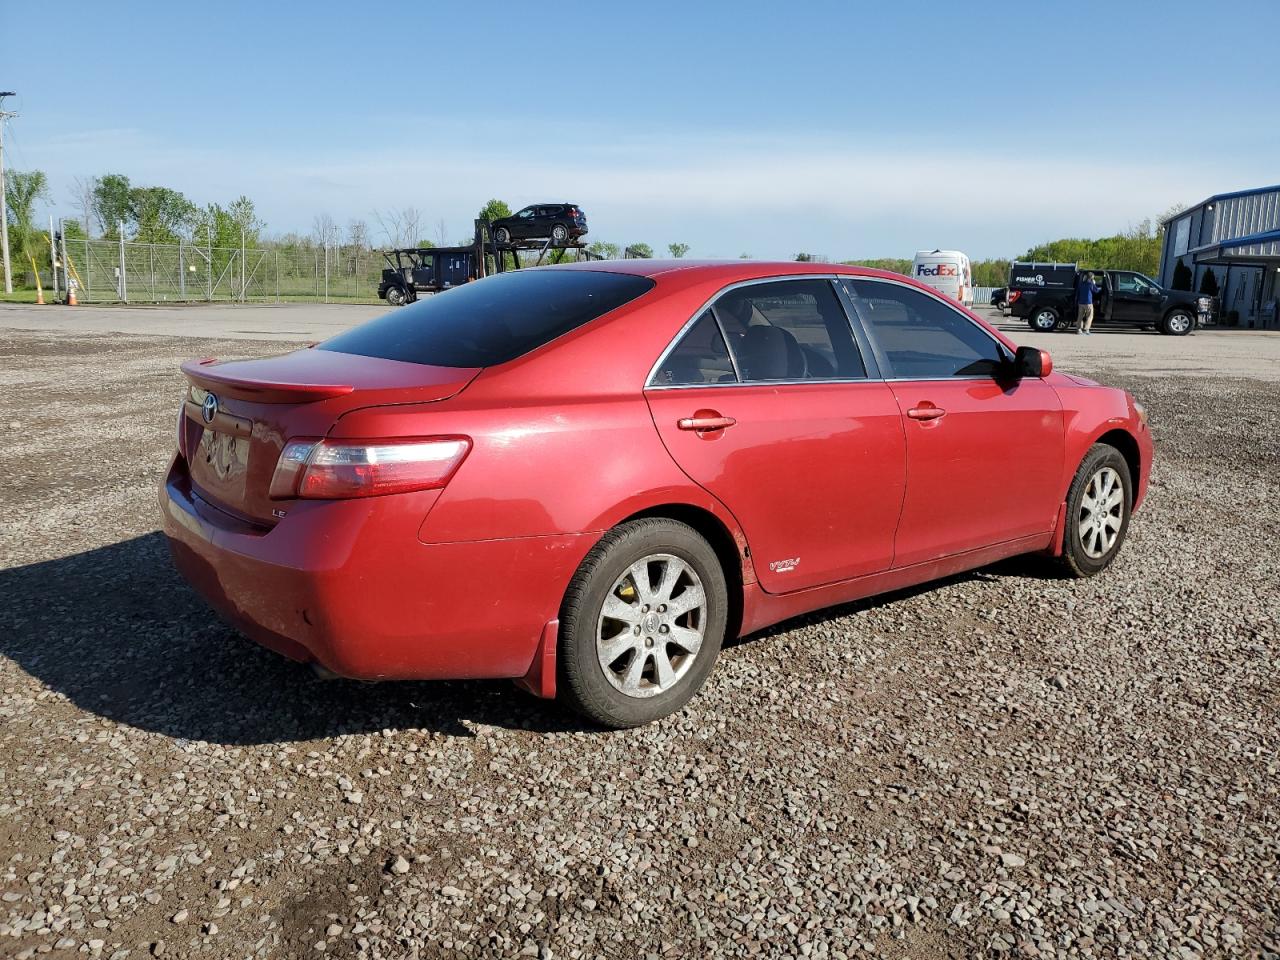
(624, 657)
(1097, 517)
(560, 234)
(1178, 323)
(1043, 319)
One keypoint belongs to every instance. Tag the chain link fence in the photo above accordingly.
(109, 271)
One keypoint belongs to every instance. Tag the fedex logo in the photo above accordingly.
(938, 270)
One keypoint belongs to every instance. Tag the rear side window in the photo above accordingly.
(789, 330)
(700, 357)
(922, 338)
(493, 320)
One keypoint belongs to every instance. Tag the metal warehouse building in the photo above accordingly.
(1236, 237)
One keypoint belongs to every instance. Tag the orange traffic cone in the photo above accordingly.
(71, 297)
(39, 296)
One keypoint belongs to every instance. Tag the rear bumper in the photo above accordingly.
(348, 584)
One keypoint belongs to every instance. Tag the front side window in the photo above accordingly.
(700, 358)
(1133, 283)
(921, 337)
(526, 213)
(789, 330)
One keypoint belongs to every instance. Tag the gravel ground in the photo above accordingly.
(1004, 761)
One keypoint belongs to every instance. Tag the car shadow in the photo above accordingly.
(119, 633)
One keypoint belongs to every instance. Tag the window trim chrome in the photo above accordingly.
(708, 305)
(878, 359)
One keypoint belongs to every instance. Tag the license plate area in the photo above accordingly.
(222, 462)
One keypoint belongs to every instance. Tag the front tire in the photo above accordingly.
(1097, 517)
(1043, 319)
(396, 297)
(502, 235)
(1179, 323)
(642, 623)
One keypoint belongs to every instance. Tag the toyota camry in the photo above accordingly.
(587, 477)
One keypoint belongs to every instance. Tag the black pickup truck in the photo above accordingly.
(1044, 294)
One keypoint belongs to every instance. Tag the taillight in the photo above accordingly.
(338, 469)
(1013, 296)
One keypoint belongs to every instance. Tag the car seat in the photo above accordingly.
(771, 353)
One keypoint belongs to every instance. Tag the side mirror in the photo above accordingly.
(1032, 362)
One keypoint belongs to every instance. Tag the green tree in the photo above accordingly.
(804, 258)
(1138, 248)
(640, 250)
(604, 249)
(27, 243)
(160, 215)
(494, 210)
(991, 273)
(892, 264)
(227, 227)
(73, 230)
(112, 204)
(245, 217)
(677, 250)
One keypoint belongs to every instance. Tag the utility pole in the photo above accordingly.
(4, 206)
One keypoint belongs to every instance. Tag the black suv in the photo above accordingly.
(561, 222)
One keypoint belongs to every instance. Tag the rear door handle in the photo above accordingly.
(926, 411)
(705, 423)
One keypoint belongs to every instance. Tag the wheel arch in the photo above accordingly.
(729, 548)
(1127, 444)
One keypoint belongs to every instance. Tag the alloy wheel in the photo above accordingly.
(1101, 513)
(1179, 323)
(651, 625)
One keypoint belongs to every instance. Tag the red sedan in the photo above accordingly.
(585, 477)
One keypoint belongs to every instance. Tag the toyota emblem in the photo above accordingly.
(209, 409)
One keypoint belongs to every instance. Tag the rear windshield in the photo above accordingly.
(491, 321)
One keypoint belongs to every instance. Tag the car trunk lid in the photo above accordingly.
(240, 414)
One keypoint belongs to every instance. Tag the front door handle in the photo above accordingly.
(926, 411)
(702, 422)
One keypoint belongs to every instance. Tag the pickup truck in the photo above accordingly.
(1044, 294)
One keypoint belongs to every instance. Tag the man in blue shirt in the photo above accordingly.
(1086, 290)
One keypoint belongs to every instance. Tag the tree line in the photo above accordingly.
(111, 203)
(1137, 248)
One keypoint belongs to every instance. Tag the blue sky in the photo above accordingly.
(843, 129)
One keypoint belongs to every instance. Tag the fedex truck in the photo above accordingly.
(947, 271)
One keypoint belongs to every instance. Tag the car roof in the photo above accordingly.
(724, 270)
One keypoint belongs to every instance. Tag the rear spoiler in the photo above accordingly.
(204, 374)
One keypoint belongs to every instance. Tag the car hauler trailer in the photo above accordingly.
(411, 271)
